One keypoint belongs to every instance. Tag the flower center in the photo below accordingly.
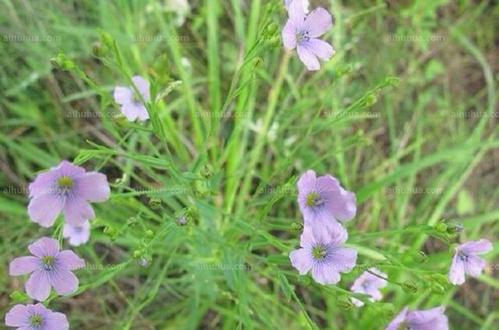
(403, 326)
(313, 199)
(319, 252)
(65, 183)
(302, 36)
(36, 320)
(48, 262)
(136, 97)
(463, 256)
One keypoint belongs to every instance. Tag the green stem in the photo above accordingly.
(267, 121)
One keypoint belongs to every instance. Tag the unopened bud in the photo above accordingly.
(345, 303)
(441, 227)
(155, 203)
(410, 287)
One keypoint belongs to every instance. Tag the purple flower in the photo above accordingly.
(324, 255)
(305, 4)
(35, 317)
(466, 261)
(369, 284)
(323, 201)
(48, 267)
(431, 319)
(77, 234)
(302, 31)
(69, 189)
(131, 104)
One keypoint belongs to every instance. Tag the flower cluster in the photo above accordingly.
(324, 204)
(68, 189)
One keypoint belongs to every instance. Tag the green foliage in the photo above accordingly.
(203, 211)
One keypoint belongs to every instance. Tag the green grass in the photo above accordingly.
(404, 114)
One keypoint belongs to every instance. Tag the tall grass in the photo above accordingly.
(404, 115)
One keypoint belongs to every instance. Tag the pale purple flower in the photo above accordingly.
(323, 201)
(324, 255)
(131, 103)
(48, 267)
(67, 188)
(305, 4)
(35, 317)
(302, 31)
(430, 319)
(466, 260)
(77, 234)
(369, 284)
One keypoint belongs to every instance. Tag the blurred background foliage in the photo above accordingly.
(405, 115)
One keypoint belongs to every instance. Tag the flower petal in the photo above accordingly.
(306, 182)
(476, 247)
(307, 239)
(323, 226)
(301, 259)
(474, 266)
(42, 184)
(67, 259)
(318, 22)
(324, 273)
(321, 49)
(340, 203)
(456, 271)
(44, 209)
(93, 187)
(77, 211)
(134, 110)
(398, 320)
(63, 281)
(77, 234)
(56, 321)
(66, 168)
(297, 10)
(38, 285)
(289, 35)
(44, 246)
(307, 57)
(430, 317)
(17, 316)
(344, 259)
(143, 87)
(23, 265)
(122, 95)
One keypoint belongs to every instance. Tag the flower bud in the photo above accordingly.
(106, 39)
(410, 287)
(111, 232)
(345, 303)
(437, 288)
(137, 254)
(441, 227)
(297, 226)
(155, 203)
(63, 62)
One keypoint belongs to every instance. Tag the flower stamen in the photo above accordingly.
(319, 252)
(313, 199)
(48, 262)
(36, 320)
